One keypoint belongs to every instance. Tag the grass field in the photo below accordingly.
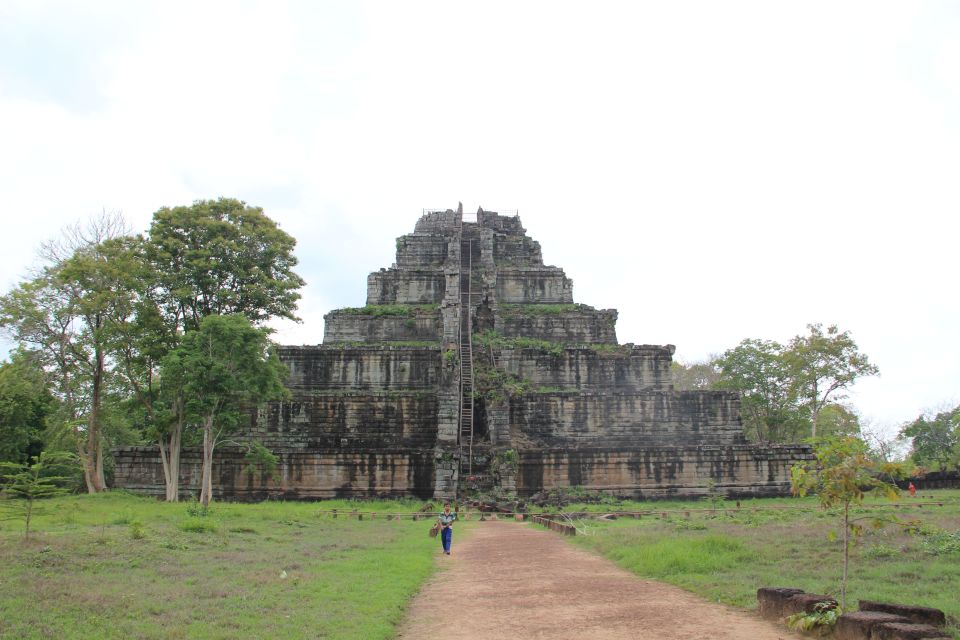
(725, 557)
(120, 566)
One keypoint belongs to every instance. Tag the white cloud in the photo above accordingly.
(714, 170)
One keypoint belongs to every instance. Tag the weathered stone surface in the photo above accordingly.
(307, 475)
(396, 286)
(660, 472)
(770, 601)
(581, 326)
(368, 417)
(630, 369)
(352, 327)
(923, 615)
(417, 251)
(906, 631)
(807, 603)
(533, 285)
(638, 419)
(357, 422)
(859, 625)
(356, 367)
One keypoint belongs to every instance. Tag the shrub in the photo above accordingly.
(198, 526)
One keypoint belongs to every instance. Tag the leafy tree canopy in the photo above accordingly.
(25, 403)
(935, 440)
(223, 257)
(824, 363)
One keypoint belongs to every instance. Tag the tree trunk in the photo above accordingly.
(94, 447)
(206, 484)
(165, 464)
(101, 480)
(814, 411)
(846, 555)
(170, 456)
(89, 475)
(173, 488)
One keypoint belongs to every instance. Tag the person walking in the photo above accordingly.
(446, 527)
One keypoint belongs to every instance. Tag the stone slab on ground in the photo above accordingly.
(907, 631)
(770, 601)
(512, 580)
(920, 615)
(858, 625)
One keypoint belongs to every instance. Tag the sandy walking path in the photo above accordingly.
(512, 580)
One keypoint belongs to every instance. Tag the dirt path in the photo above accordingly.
(511, 580)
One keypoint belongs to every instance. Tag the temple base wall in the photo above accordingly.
(663, 472)
(310, 475)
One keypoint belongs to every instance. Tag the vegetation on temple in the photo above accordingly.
(394, 310)
(490, 339)
(541, 309)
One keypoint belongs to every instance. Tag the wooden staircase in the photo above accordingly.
(466, 355)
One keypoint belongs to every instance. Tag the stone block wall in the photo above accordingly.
(395, 286)
(662, 472)
(358, 367)
(330, 421)
(641, 368)
(516, 250)
(533, 285)
(583, 326)
(300, 475)
(341, 326)
(416, 251)
(577, 419)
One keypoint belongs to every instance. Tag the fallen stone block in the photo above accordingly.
(907, 631)
(770, 600)
(858, 625)
(807, 603)
(920, 615)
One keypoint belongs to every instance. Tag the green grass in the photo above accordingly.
(420, 344)
(541, 309)
(401, 310)
(493, 339)
(121, 566)
(726, 556)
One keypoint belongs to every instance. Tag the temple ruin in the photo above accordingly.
(471, 368)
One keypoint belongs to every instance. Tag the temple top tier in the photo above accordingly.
(486, 261)
(448, 222)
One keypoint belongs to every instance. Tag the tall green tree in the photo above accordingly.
(25, 404)
(225, 367)
(214, 257)
(64, 314)
(691, 376)
(824, 363)
(219, 257)
(935, 439)
(759, 371)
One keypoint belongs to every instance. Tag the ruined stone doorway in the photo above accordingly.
(483, 319)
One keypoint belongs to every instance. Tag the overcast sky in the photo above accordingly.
(715, 170)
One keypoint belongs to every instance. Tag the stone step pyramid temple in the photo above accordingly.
(471, 368)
